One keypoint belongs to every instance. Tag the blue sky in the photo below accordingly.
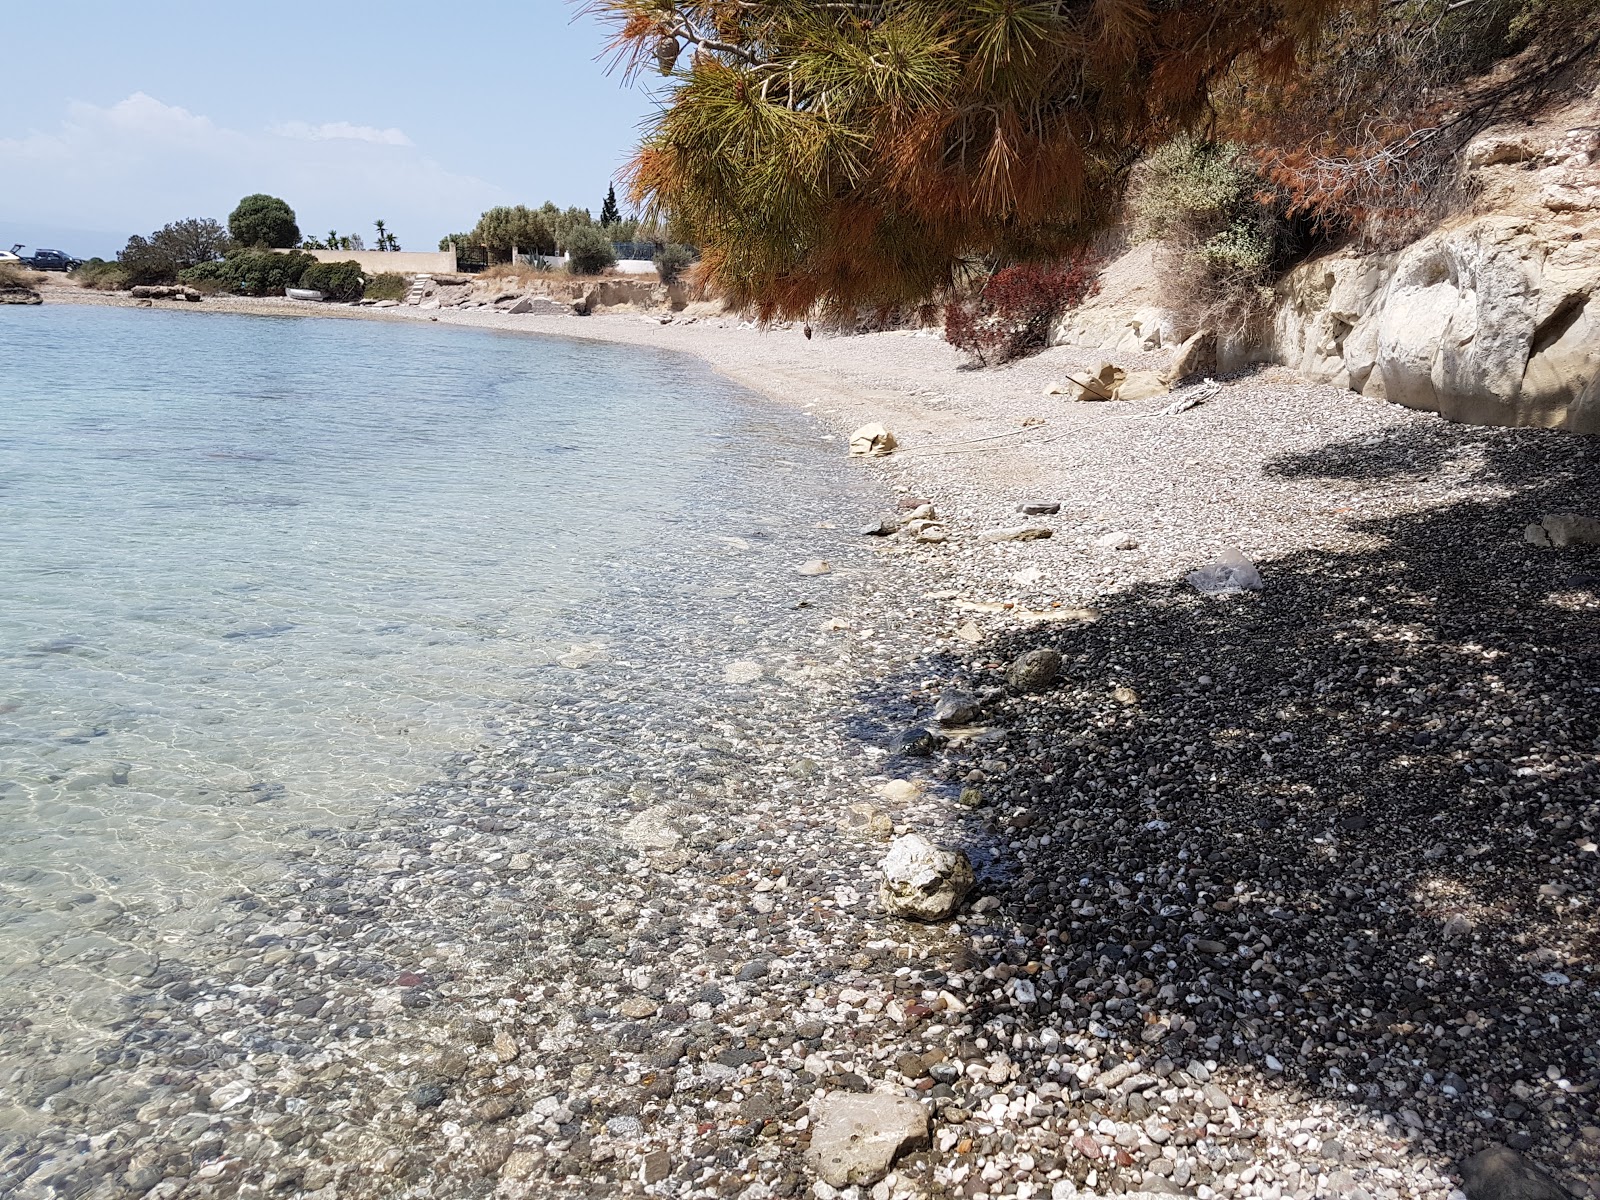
(119, 117)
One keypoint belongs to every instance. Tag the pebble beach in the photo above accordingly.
(1283, 893)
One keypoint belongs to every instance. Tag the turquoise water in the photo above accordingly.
(258, 572)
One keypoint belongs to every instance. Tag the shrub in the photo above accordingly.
(391, 285)
(1189, 189)
(672, 261)
(589, 251)
(101, 276)
(252, 272)
(192, 241)
(1225, 235)
(144, 261)
(336, 280)
(13, 276)
(262, 220)
(1012, 314)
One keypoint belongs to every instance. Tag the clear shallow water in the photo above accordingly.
(259, 572)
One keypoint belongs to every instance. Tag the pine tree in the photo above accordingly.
(861, 153)
(609, 213)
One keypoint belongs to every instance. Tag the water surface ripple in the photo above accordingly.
(260, 572)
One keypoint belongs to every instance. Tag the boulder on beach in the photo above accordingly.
(1564, 529)
(1034, 670)
(1016, 533)
(923, 881)
(1140, 385)
(872, 441)
(1099, 384)
(1500, 1173)
(20, 295)
(857, 1138)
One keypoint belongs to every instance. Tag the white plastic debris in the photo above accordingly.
(1231, 572)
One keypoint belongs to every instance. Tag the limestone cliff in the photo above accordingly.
(1493, 318)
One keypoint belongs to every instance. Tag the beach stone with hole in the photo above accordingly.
(923, 881)
(857, 1138)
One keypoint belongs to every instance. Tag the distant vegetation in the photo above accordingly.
(390, 285)
(548, 231)
(246, 259)
(590, 250)
(336, 280)
(262, 220)
(172, 249)
(672, 260)
(13, 276)
(252, 272)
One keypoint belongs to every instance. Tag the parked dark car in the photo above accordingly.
(52, 260)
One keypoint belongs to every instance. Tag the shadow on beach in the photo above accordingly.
(1341, 844)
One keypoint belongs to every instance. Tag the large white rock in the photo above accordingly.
(1493, 322)
(872, 441)
(856, 1138)
(922, 881)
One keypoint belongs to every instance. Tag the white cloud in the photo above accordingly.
(140, 163)
(333, 131)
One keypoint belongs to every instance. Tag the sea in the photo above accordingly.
(259, 573)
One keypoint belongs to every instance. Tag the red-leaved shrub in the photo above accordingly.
(1011, 315)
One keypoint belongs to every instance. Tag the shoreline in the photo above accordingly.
(1259, 1066)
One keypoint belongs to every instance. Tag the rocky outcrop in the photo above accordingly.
(1491, 319)
(19, 295)
(1494, 322)
(177, 291)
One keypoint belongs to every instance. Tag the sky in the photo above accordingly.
(120, 117)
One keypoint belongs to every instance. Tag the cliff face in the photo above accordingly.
(1493, 318)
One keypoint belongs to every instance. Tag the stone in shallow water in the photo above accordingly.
(857, 1138)
(922, 881)
(652, 830)
(957, 708)
(917, 743)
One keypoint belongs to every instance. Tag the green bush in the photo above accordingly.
(101, 276)
(589, 251)
(672, 260)
(336, 280)
(390, 285)
(262, 220)
(1190, 189)
(144, 261)
(1220, 228)
(252, 272)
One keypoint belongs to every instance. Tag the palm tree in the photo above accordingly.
(383, 243)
